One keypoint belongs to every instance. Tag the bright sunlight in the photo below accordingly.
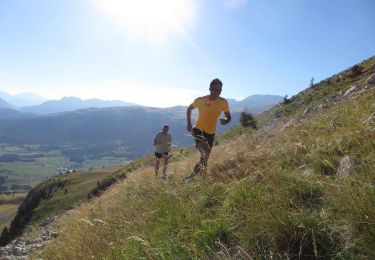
(155, 19)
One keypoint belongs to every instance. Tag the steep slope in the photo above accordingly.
(301, 186)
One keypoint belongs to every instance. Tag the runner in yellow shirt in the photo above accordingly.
(210, 108)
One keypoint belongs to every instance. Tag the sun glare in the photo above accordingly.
(149, 18)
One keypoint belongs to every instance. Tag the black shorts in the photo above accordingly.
(159, 155)
(203, 137)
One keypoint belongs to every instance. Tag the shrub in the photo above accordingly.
(356, 70)
(248, 120)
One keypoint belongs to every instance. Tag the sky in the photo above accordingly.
(165, 52)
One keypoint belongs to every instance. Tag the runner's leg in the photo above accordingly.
(201, 166)
(165, 157)
(157, 163)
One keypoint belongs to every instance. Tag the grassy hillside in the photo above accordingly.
(49, 198)
(278, 192)
(64, 192)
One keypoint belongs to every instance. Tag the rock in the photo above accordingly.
(54, 234)
(308, 172)
(278, 114)
(331, 98)
(350, 91)
(45, 237)
(46, 221)
(287, 125)
(370, 122)
(23, 246)
(38, 241)
(308, 110)
(324, 105)
(370, 82)
(18, 251)
(347, 164)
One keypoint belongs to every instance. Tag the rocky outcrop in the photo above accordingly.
(350, 92)
(346, 167)
(369, 122)
(370, 82)
(23, 246)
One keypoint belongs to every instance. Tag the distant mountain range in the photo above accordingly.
(72, 103)
(100, 132)
(23, 99)
(255, 103)
(12, 114)
(122, 131)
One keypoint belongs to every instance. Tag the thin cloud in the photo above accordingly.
(234, 4)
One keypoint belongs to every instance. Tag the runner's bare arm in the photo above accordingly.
(156, 141)
(228, 118)
(188, 117)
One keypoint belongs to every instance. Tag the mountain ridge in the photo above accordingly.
(22, 99)
(66, 104)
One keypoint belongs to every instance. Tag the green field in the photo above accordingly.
(35, 165)
(65, 191)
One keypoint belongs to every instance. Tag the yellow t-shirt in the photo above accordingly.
(209, 112)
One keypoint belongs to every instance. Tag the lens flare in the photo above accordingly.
(149, 18)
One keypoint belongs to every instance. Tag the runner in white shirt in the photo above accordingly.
(162, 143)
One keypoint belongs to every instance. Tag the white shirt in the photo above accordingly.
(163, 142)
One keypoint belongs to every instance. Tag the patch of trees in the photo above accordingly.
(248, 120)
(20, 187)
(3, 188)
(11, 157)
(47, 148)
(356, 70)
(6, 172)
(287, 100)
(94, 152)
(24, 214)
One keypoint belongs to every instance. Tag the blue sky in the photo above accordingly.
(165, 52)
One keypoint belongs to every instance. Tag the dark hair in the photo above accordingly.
(215, 82)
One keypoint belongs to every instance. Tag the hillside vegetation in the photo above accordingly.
(9, 204)
(50, 198)
(301, 186)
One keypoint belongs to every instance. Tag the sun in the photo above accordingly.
(155, 19)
